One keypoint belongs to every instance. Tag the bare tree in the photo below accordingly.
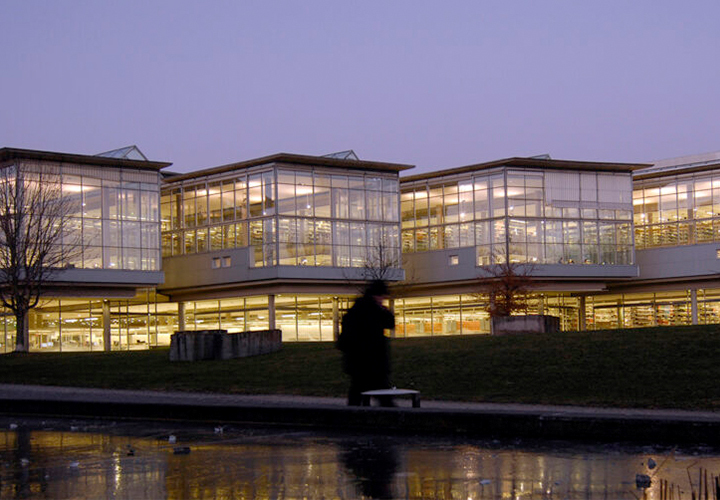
(36, 238)
(507, 284)
(382, 262)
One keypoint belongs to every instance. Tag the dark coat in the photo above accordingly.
(366, 350)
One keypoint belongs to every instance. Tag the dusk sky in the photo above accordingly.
(434, 84)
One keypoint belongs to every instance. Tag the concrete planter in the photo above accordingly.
(531, 323)
(218, 344)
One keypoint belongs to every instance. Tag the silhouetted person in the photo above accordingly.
(366, 350)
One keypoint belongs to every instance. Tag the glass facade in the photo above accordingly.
(287, 217)
(68, 324)
(315, 216)
(544, 217)
(639, 310)
(467, 314)
(115, 216)
(677, 210)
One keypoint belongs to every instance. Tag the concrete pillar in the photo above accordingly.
(391, 306)
(31, 324)
(271, 312)
(336, 318)
(654, 311)
(432, 318)
(181, 316)
(694, 306)
(582, 320)
(107, 341)
(60, 325)
(620, 314)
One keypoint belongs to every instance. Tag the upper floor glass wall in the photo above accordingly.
(115, 216)
(677, 210)
(287, 216)
(546, 217)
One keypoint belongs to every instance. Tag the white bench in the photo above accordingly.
(368, 395)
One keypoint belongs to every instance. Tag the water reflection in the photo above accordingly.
(88, 460)
(371, 464)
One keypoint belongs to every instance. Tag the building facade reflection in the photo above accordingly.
(272, 464)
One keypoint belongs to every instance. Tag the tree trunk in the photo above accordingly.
(22, 332)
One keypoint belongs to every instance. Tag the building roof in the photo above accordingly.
(294, 159)
(539, 162)
(8, 154)
(680, 165)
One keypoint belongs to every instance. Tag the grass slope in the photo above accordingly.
(653, 368)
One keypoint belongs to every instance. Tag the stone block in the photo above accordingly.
(530, 323)
(218, 344)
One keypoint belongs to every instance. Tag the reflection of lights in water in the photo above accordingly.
(313, 465)
(117, 469)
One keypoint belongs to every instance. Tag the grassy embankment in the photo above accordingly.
(652, 368)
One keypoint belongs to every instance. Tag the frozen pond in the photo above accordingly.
(99, 459)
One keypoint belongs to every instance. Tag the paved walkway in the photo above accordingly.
(80, 394)
(489, 419)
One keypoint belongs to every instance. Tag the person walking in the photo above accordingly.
(365, 348)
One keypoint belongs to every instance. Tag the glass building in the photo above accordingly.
(287, 241)
(104, 297)
(544, 215)
(287, 215)
(283, 241)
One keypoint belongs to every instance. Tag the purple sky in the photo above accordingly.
(436, 84)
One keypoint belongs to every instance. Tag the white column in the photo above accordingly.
(336, 318)
(181, 316)
(107, 340)
(391, 306)
(694, 306)
(582, 319)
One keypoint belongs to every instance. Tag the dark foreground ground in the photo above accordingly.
(661, 368)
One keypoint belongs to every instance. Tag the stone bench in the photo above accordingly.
(368, 395)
